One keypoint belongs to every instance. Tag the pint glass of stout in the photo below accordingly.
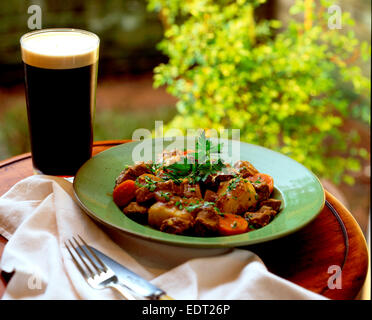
(60, 79)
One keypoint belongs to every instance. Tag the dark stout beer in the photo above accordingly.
(60, 78)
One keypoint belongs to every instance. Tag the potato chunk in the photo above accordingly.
(161, 211)
(236, 196)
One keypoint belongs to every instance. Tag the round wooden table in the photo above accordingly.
(310, 257)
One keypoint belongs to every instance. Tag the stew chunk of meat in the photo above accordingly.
(131, 173)
(161, 211)
(175, 225)
(262, 190)
(260, 218)
(272, 203)
(245, 168)
(226, 174)
(206, 223)
(136, 212)
(147, 184)
(143, 194)
(168, 186)
(163, 196)
(210, 196)
(190, 190)
(236, 196)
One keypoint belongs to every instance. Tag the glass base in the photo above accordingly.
(38, 172)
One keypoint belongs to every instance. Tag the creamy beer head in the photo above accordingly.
(60, 48)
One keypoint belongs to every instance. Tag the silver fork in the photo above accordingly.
(98, 277)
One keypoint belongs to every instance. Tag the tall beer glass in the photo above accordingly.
(60, 68)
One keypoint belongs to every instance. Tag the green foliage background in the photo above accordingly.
(286, 88)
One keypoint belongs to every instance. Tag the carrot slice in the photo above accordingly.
(124, 192)
(263, 177)
(230, 224)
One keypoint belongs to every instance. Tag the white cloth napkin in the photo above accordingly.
(38, 214)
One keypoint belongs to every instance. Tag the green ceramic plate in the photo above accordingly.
(300, 190)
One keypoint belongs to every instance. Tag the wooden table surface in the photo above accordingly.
(334, 238)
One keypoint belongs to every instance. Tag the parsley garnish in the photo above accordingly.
(203, 165)
(150, 184)
(165, 195)
(233, 184)
(179, 205)
(219, 212)
(193, 207)
(204, 204)
(139, 185)
(153, 167)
